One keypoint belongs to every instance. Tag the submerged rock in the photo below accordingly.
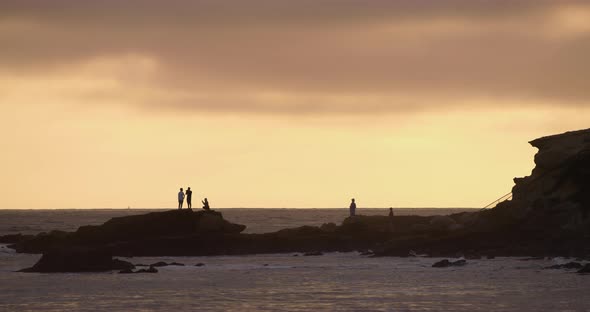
(446, 263)
(569, 265)
(313, 253)
(151, 269)
(163, 264)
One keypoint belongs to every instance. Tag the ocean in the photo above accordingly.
(282, 282)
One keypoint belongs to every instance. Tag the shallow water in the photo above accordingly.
(283, 282)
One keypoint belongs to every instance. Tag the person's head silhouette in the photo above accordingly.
(353, 200)
(181, 189)
(189, 188)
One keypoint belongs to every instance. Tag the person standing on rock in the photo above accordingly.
(390, 219)
(352, 208)
(189, 196)
(180, 198)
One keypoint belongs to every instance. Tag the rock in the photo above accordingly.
(442, 222)
(78, 260)
(446, 263)
(585, 269)
(329, 227)
(176, 264)
(367, 253)
(313, 253)
(490, 257)
(569, 265)
(14, 238)
(126, 271)
(455, 227)
(159, 264)
(420, 227)
(150, 270)
(200, 264)
(532, 259)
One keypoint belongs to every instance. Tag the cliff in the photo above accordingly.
(549, 213)
(556, 196)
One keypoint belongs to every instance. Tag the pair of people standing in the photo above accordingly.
(189, 195)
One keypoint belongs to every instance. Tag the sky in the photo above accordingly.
(283, 104)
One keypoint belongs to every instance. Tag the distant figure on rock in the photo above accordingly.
(180, 198)
(205, 204)
(352, 208)
(390, 219)
(189, 195)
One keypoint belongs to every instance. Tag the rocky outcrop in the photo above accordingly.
(549, 214)
(138, 228)
(78, 260)
(557, 193)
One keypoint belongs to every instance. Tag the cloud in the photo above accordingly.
(307, 57)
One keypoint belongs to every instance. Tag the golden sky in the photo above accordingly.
(274, 103)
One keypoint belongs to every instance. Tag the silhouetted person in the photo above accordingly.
(391, 219)
(189, 195)
(180, 198)
(352, 208)
(205, 204)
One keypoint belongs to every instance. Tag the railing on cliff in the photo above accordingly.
(499, 200)
(582, 154)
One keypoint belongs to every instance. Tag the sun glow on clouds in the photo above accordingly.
(405, 108)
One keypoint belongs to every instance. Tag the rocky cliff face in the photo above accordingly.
(557, 193)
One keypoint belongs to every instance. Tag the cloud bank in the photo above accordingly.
(305, 57)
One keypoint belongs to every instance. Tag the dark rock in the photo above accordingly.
(78, 260)
(150, 270)
(532, 259)
(366, 253)
(329, 227)
(126, 271)
(585, 269)
(313, 253)
(176, 264)
(14, 238)
(141, 265)
(569, 265)
(446, 263)
(200, 264)
(490, 257)
(159, 264)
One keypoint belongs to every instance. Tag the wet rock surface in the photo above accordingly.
(569, 266)
(445, 263)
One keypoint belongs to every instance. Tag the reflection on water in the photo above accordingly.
(335, 281)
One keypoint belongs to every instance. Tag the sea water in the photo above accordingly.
(283, 282)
